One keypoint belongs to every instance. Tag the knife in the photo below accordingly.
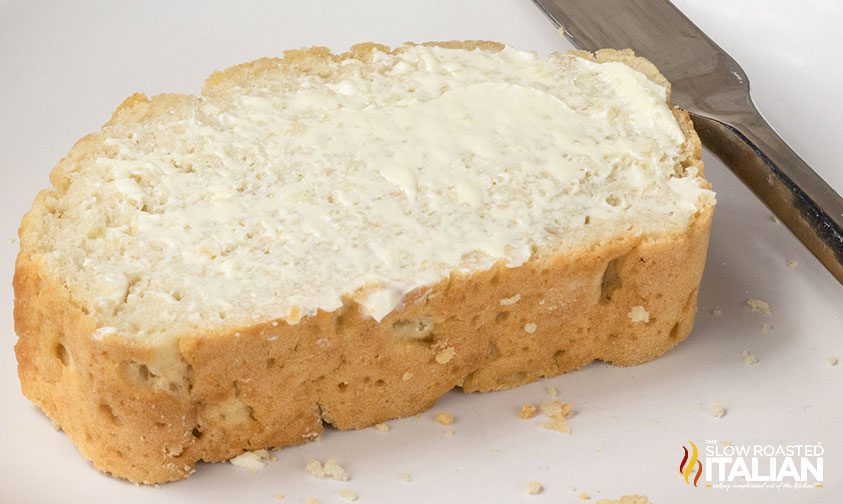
(714, 89)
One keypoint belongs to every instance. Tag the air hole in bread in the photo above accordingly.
(558, 356)
(106, 410)
(419, 329)
(674, 332)
(342, 386)
(62, 355)
(611, 281)
(270, 362)
(197, 432)
(136, 372)
(380, 383)
(493, 353)
(501, 316)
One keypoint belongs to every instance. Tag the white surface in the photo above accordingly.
(63, 69)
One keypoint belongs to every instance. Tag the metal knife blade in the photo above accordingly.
(710, 85)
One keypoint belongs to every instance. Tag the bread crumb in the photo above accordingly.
(444, 418)
(717, 312)
(626, 499)
(382, 427)
(551, 391)
(13, 240)
(832, 361)
(510, 300)
(527, 411)
(792, 263)
(330, 470)
(639, 314)
(407, 376)
(748, 358)
(533, 488)
(253, 461)
(311, 500)
(278, 496)
(445, 355)
(347, 495)
(759, 305)
(717, 410)
(766, 328)
(530, 328)
(405, 477)
(584, 496)
(556, 412)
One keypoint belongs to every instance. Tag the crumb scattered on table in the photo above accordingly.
(556, 411)
(527, 411)
(311, 500)
(449, 433)
(759, 305)
(444, 418)
(330, 470)
(405, 477)
(792, 263)
(766, 328)
(832, 361)
(584, 496)
(717, 312)
(348, 495)
(626, 499)
(278, 496)
(748, 358)
(638, 314)
(533, 488)
(717, 410)
(551, 391)
(382, 427)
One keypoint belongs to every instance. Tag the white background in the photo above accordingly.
(64, 68)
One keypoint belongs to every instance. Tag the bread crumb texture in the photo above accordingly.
(155, 242)
(717, 410)
(533, 488)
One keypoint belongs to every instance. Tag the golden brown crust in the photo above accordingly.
(148, 414)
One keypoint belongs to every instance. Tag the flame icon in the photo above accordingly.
(686, 467)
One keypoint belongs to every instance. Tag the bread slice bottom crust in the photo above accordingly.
(150, 413)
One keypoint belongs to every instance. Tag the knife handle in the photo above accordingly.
(802, 200)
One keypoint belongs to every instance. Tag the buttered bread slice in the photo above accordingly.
(345, 238)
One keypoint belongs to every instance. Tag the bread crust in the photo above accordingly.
(149, 413)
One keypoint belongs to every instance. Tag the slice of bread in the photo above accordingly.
(346, 238)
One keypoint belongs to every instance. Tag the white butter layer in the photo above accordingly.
(282, 198)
